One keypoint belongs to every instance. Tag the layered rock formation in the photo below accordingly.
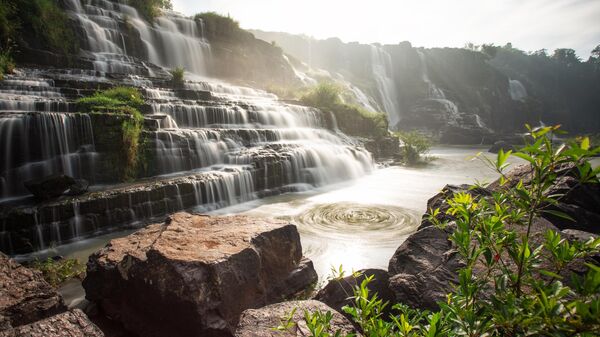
(68, 324)
(194, 275)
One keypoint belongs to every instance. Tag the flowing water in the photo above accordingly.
(381, 63)
(516, 90)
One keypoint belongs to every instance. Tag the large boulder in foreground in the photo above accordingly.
(261, 322)
(194, 275)
(68, 324)
(49, 187)
(25, 296)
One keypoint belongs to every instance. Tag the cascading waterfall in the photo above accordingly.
(172, 41)
(210, 144)
(516, 90)
(381, 63)
(436, 94)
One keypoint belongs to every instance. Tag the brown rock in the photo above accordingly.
(25, 296)
(194, 275)
(261, 322)
(68, 324)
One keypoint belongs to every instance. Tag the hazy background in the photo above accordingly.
(529, 25)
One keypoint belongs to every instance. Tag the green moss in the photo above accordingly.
(125, 100)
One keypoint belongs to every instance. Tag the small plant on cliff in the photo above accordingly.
(178, 77)
(7, 64)
(124, 100)
(516, 280)
(56, 272)
(414, 146)
(150, 9)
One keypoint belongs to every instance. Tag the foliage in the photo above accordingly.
(511, 285)
(352, 119)
(7, 64)
(218, 26)
(56, 272)
(126, 101)
(178, 77)
(150, 9)
(415, 146)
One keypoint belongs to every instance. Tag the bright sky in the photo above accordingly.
(528, 24)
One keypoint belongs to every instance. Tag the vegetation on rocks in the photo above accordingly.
(511, 284)
(178, 77)
(127, 101)
(415, 146)
(56, 272)
(150, 9)
(351, 119)
(7, 64)
(216, 25)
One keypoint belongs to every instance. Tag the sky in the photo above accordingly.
(528, 24)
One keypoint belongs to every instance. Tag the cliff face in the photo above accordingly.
(445, 89)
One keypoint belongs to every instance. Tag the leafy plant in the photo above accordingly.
(56, 272)
(415, 146)
(150, 9)
(512, 284)
(178, 77)
(7, 64)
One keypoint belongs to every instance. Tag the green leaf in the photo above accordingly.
(585, 143)
(550, 274)
(523, 156)
(559, 214)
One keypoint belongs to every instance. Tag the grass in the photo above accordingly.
(56, 272)
(178, 77)
(124, 100)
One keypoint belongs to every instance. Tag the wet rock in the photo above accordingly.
(193, 94)
(50, 187)
(199, 269)
(260, 322)
(424, 268)
(339, 292)
(25, 296)
(501, 145)
(68, 324)
(78, 188)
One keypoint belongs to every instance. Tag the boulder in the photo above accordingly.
(78, 188)
(338, 292)
(424, 268)
(49, 187)
(261, 322)
(68, 324)
(25, 296)
(194, 275)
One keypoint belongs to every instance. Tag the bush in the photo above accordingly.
(510, 285)
(178, 77)
(7, 64)
(219, 26)
(415, 146)
(150, 9)
(56, 272)
(325, 95)
(125, 100)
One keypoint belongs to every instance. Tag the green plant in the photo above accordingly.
(150, 9)
(325, 95)
(7, 64)
(178, 77)
(219, 26)
(415, 146)
(56, 272)
(513, 284)
(126, 100)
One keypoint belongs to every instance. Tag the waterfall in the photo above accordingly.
(436, 94)
(381, 63)
(171, 41)
(516, 90)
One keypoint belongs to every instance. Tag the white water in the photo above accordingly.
(516, 90)
(172, 41)
(381, 63)
(436, 94)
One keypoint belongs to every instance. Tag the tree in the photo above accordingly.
(566, 56)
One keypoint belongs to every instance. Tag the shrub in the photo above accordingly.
(415, 146)
(7, 64)
(150, 9)
(125, 100)
(519, 286)
(325, 95)
(56, 272)
(178, 77)
(219, 26)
